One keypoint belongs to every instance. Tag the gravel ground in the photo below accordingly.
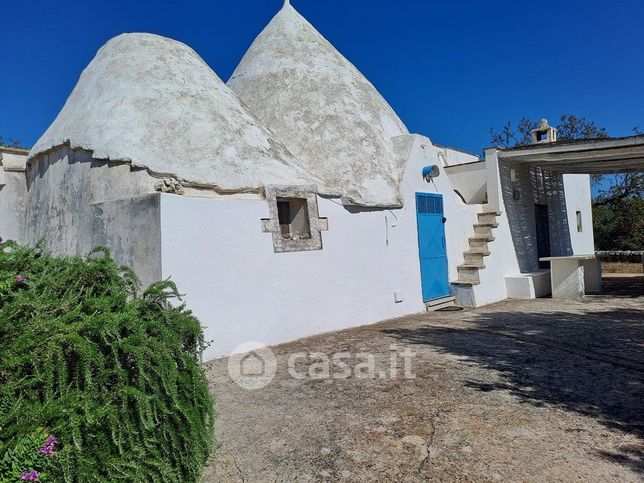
(519, 390)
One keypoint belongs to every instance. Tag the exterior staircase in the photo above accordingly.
(474, 257)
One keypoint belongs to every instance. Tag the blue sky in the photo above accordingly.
(450, 69)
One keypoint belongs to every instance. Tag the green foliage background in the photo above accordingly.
(619, 226)
(112, 372)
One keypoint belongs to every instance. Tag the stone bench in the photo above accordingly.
(529, 285)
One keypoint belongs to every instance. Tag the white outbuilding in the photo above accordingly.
(290, 202)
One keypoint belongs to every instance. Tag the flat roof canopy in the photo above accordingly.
(595, 156)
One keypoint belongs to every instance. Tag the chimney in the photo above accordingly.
(544, 133)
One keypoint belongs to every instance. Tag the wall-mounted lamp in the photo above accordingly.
(431, 172)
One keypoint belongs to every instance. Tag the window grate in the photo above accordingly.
(430, 205)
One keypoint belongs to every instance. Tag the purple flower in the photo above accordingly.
(20, 278)
(48, 447)
(47, 452)
(51, 442)
(32, 475)
(1, 239)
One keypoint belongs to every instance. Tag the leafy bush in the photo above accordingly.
(112, 372)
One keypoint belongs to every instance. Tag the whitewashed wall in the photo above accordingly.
(451, 156)
(216, 252)
(242, 291)
(13, 194)
(514, 249)
(579, 198)
(470, 181)
(460, 216)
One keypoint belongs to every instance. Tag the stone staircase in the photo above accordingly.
(474, 261)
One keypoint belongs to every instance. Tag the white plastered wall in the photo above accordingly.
(460, 216)
(514, 249)
(579, 198)
(13, 193)
(215, 251)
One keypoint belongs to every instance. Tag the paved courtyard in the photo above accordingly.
(518, 390)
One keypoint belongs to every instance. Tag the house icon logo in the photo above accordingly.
(252, 366)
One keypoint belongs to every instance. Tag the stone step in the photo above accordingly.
(441, 303)
(483, 231)
(486, 225)
(465, 284)
(478, 251)
(473, 259)
(478, 243)
(487, 217)
(485, 238)
(478, 266)
(468, 274)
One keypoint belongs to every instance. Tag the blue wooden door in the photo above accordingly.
(431, 245)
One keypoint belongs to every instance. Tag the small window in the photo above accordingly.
(294, 222)
(580, 227)
(293, 214)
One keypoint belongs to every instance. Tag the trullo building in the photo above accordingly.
(289, 202)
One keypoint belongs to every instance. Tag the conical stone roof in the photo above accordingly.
(325, 111)
(154, 102)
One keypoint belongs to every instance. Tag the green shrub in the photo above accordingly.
(112, 372)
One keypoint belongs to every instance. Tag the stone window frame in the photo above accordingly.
(272, 224)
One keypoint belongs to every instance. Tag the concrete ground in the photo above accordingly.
(518, 390)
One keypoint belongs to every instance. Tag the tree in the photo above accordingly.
(618, 212)
(13, 143)
(619, 226)
(620, 187)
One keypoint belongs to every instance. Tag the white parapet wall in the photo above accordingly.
(470, 181)
(13, 192)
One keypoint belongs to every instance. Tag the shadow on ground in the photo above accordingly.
(591, 362)
(628, 286)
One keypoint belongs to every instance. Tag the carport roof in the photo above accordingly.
(594, 156)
